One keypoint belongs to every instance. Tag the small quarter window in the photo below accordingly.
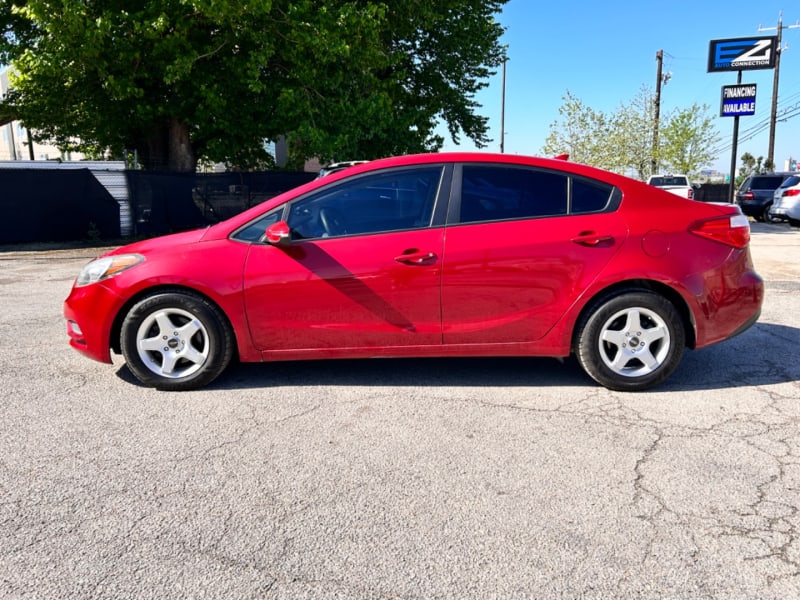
(589, 196)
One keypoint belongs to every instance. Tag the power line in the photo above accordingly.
(776, 75)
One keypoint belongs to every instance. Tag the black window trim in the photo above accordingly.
(454, 208)
(440, 203)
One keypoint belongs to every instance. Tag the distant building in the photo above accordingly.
(15, 143)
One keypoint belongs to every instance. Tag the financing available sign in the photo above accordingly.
(742, 54)
(738, 100)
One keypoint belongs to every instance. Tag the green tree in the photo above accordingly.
(632, 135)
(181, 80)
(686, 140)
(581, 132)
(749, 166)
(752, 166)
(622, 141)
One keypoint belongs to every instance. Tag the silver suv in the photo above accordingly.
(786, 201)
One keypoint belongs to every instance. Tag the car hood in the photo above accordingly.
(156, 244)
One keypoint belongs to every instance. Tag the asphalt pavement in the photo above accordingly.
(401, 479)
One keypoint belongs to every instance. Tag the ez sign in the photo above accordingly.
(742, 54)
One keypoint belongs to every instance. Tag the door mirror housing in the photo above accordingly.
(278, 234)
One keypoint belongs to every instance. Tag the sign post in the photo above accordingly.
(735, 144)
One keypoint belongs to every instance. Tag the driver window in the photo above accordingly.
(389, 201)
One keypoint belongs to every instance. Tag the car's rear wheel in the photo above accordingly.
(632, 341)
(176, 341)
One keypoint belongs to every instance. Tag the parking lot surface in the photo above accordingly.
(500, 478)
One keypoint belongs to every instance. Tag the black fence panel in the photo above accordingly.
(55, 206)
(713, 192)
(169, 202)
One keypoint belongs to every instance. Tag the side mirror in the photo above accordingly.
(278, 234)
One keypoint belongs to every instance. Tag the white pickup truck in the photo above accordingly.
(677, 184)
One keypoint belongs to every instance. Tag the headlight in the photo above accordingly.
(106, 267)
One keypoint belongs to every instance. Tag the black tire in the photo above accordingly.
(176, 341)
(631, 341)
(766, 217)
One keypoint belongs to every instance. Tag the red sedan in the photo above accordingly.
(430, 255)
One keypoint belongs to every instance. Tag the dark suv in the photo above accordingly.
(754, 196)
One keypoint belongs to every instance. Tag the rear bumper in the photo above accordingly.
(729, 308)
(747, 324)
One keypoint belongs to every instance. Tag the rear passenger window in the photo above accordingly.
(499, 193)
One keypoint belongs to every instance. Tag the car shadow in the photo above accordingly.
(409, 372)
(763, 355)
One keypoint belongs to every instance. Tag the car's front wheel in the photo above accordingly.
(176, 341)
(632, 341)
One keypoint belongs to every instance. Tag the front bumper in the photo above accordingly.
(90, 313)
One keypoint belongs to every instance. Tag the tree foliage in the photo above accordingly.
(623, 141)
(753, 166)
(632, 137)
(582, 133)
(687, 139)
(180, 80)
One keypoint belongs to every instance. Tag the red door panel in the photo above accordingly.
(347, 292)
(510, 281)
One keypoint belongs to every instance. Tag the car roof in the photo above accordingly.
(559, 164)
(772, 174)
(556, 164)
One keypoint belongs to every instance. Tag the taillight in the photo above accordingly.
(733, 230)
(690, 195)
(790, 193)
(748, 196)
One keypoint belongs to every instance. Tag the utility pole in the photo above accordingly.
(773, 115)
(660, 78)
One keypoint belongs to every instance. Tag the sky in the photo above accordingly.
(604, 52)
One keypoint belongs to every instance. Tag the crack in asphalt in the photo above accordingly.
(773, 434)
(768, 521)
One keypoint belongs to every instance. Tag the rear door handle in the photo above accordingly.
(416, 257)
(592, 238)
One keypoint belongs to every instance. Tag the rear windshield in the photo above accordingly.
(766, 182)
(792, 181)
(664, 181)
